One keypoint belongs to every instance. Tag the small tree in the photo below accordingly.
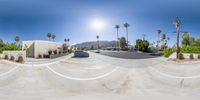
(123, 43)
(142, 45)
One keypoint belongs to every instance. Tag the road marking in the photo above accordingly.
(3, 74)
(82, 79)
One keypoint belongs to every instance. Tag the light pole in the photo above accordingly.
(97, 42)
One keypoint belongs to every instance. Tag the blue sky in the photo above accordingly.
(33, 19)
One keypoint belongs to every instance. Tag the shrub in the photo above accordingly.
(191, 56)
(191, 49)
(168, 52)
(20, 59)
(39, 56)
(45, 56)
(59, 52)
(180, 56)
(12, 58)
(142, 45)
(6, 57)
(50, 52)
(198, 57)
(55, 52)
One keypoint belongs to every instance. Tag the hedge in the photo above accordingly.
(190, 49)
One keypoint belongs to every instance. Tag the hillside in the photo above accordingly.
(94, 44)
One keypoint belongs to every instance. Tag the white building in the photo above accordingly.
(36, 47)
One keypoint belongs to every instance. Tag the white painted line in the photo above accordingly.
(171, 76)
(3, 74)
(81, 79)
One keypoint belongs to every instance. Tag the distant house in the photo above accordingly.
(36, 47)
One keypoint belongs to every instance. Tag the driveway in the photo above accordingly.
(100, 77)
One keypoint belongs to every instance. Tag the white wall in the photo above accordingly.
(37, 47)
(16, 54)
(42, 47)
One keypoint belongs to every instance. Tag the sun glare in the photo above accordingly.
(97, 24)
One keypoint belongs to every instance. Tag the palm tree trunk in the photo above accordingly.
(177, 45)
(127, 36)
(118, 39)
(98, 44)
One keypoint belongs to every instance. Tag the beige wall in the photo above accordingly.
(28, 46)
(37, 47)
(16, 54)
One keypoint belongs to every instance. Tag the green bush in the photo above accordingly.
(198, 57)
(168, 52)
(39, 56)
(191, 56)
(55, 52)
(190, 49)
(20, 59)
(8, 46)
(6, 57)
(142, 45)
(12, 58)
(180, 56)
(50, 52)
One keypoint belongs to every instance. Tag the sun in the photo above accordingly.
(97, 24)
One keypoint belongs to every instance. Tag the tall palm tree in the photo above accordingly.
(17, 39)
(158, 41)
(68, 40)
(163, 37)
(177, 26)
(186, 38)
(126, 25)
(98, 41)
(53, 36)
(65, 41)
(167, 40)
(143, 36)
(117, 27)
(49, 35)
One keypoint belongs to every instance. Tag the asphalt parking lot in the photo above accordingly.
(100, 77)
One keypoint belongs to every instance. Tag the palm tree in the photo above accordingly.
(126, 25)
(177, 26)
(158, 32)
(65, 41)
(168, 38)
(53, 36)
(143, 36)
(186, 39)
(49, 35)
(117, 27)
(17, 39)
(98, 41)
(163, 37)
(68, 40)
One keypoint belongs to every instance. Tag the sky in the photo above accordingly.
(74, 19)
